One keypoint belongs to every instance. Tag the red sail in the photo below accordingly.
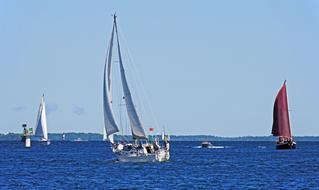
(281, 125)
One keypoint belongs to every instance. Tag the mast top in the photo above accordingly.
(114, 17)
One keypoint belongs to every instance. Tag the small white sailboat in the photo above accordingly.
(63, 136)
(141, 150)
(41, 128)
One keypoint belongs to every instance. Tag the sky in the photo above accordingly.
(206, 67)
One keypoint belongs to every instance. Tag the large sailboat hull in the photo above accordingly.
(286, 145)
(159, 156)
(134, 158)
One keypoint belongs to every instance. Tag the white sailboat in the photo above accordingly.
(141, 150)
(41, 128)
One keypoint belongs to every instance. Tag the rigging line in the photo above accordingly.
(125, 130)
(136, 84)
(118, 99)
(135, 70)
(122, 114)
(136, 125)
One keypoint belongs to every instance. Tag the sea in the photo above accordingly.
(226, 165)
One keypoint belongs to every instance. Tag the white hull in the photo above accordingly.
(160, 156)
(135, 158)
(141, 155)
(206, 144)
(45, 141)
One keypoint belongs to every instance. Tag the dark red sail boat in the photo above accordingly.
(281, 124)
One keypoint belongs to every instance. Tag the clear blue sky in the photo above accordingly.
(208, 67)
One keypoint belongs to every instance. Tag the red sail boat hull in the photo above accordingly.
(281, 123)
(286, 145)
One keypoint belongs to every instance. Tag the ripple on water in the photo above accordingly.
(91, 165)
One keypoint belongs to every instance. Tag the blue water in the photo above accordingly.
(91, 165)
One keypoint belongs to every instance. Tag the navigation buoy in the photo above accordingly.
(27, 142)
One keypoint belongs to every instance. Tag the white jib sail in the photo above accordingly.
(109, 122)
(136, 125)
(41, 126)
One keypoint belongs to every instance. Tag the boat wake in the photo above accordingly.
(211, 147)
(217, 147)
(262, 147)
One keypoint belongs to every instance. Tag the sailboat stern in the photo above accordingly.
(286, 145)
(143, 153)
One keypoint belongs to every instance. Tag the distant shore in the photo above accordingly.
(99, 137)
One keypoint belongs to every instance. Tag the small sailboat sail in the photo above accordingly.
(281, 123)
(41, 123)
(128, 152)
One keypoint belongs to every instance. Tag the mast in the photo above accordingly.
(136, 124)
(281, 123)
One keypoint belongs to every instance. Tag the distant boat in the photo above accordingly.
(206, 144)
(281, 123)
(141, 150)
(80, 140)
(41, 128)
(63, 136)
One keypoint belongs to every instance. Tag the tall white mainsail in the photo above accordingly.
(109, 121)
(136, 124)
(41, 126)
